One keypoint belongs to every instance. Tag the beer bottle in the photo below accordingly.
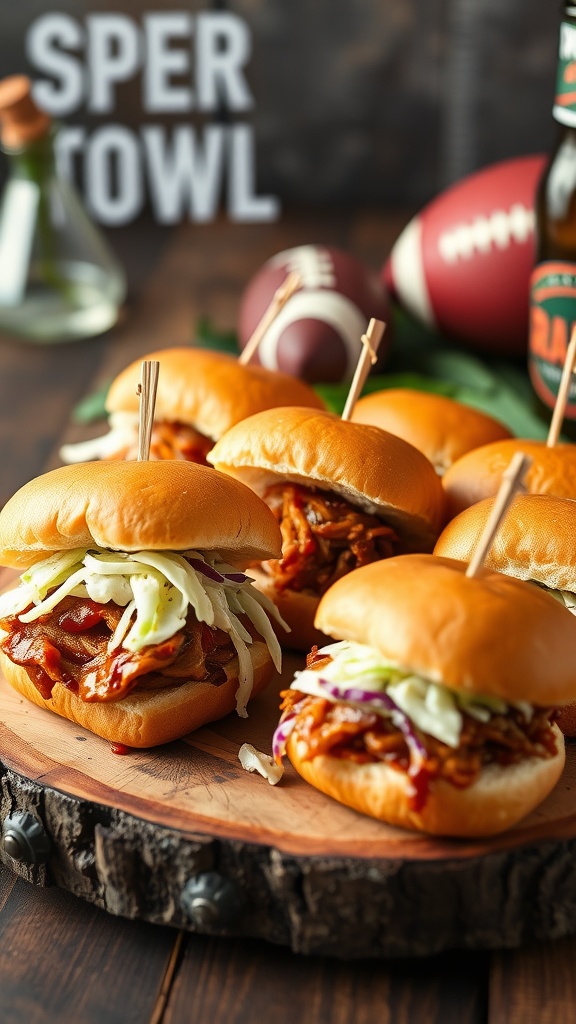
(553, 282)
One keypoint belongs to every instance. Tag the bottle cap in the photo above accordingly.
(21, 121)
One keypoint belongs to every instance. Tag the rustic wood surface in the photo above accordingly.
(128, 832)
(62, 959)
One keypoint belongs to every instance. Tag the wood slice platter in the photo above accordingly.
(133, 833)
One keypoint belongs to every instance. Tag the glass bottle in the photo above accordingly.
(59, 280)
(553, 282)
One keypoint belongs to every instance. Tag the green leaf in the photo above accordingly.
(457, 367)
(512, 410)
(208, 336)
(92, 407)
(334, 395)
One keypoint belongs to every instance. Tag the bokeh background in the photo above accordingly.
(361, 111)
(357, 101)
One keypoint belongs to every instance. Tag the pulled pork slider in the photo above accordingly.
(133, 616)
(200, 395)
(536, 542)
(478, 474)
(439, 427)
(345, 494)
(435, 710)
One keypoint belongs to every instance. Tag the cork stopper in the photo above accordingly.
(21, 121)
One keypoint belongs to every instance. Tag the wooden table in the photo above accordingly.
(62, 960)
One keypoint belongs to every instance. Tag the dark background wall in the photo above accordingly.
(364, 101)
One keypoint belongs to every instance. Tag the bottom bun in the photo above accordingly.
(296, 608)
(150, 717)
(499, 798)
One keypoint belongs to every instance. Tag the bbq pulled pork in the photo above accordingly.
(323, 538)
(70, 645)
(179, 441)
(363, 736)
(173, 441)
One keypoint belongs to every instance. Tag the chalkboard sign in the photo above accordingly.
(194, 109)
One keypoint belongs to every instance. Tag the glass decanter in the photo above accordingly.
(59, 280)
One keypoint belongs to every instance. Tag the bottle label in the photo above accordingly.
(552, 317)
(564, 109)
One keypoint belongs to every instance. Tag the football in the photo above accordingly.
(462, 266)
(316, 336)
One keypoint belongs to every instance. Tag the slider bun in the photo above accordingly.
(368, 467)
(297, 608)
(478, 474)
(439, 427)
(491, 634)
(535, 541)
(499, 798)
(133, 506)
(147, 718)
(209, 391)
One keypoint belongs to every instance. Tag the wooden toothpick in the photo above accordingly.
(370, 342)
(147, 392)
(562, 396)
(512, 479)
(292, 283)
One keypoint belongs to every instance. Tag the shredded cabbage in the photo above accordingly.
(123, 434)
(432, 707)
(156, 590)
(255, 761)
(564, 597)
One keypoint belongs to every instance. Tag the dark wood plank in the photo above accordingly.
(63, 961)
(39, 384)
(536, 985)
(7, 883)
(231, 982)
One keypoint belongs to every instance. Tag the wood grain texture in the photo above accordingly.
(534, 986)
(130, 832)
(60, 960)
(234, 983)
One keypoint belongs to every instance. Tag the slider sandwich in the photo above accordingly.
(201, 394)
(478, 474)
(442, 429)
(535, 542)
(133, 616)
(435, 707)
(344, 494)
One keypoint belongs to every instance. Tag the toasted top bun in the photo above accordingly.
(439, 427)
(365, 465)
(132, 506)
(209, 391)
(478, 474)
(490, 634)
(536, 540)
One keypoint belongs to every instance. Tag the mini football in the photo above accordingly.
(316, 336)
(462, 266)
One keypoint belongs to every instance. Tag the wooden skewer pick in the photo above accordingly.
(370, 342)
(286, 290)
(147, 392)
(562, 396)
(511, 483)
